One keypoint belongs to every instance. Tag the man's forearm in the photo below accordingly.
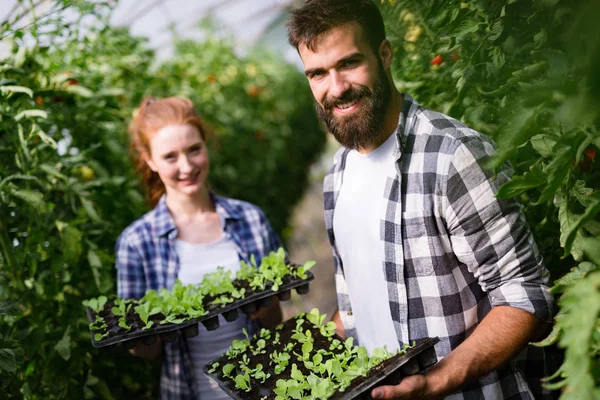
(500, 336)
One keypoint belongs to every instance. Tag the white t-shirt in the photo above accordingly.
(356, 226)
(195, 260)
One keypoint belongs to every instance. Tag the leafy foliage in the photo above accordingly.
(525, 73)
(67, 190)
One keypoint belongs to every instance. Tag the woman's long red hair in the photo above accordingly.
(152, 116)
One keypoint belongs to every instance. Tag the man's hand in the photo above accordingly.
(498, 338)
(411, 387)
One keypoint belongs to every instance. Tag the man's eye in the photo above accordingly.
(169, 157)
(350, 63)
(195, 149)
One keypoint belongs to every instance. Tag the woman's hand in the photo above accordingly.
(148, 351)
(270, 316)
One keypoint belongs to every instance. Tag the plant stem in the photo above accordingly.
(7, 252)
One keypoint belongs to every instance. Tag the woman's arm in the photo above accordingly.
(131, 283)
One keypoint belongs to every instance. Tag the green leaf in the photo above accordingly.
(581, 192)
(544, 145)
(8, 361)
(16, 89)
(45, 138)
(63, 347)
(96, 266)
(591, 211)
(519, 130)
(90, 210)
(80, 91)
(498, 57)
(558, 168)
(535, 177)
(575, 275)
(567, 219)
(31, 114)
(466, 28)
(591, 248)
(31, 197)
(71, 241)
(578, 319)
(496, 29)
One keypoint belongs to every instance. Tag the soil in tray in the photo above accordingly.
(264, 390)
(133, 320)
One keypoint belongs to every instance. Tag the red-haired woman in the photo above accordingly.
(189, 233)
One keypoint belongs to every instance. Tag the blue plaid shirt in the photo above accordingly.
(147, 259)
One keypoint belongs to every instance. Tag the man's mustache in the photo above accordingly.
(349, 95)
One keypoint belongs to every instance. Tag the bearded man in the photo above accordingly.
(422, 247)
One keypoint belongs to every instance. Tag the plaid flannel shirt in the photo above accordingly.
(452, 250)
(147, 259)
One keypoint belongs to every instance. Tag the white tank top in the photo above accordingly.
(195, 260)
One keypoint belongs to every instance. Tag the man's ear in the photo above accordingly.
(386, 53)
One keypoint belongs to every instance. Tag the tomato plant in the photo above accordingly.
(525, 73)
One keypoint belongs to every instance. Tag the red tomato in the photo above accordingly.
(437, 60)
(590, 153)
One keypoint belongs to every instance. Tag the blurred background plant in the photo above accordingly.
(67, 91)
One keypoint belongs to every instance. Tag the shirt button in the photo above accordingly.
(349, 313)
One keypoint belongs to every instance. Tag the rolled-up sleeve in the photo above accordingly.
(490, 236)
(131, 282)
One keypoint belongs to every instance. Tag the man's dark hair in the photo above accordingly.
(315, 17)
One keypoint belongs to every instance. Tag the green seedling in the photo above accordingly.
(237, 347)
(301, 271)
(242, 381)
(260, 347)
(99, 336)
(98, 324)
(144, 311)
(213, 367)
(259, 374)
(265, 334)
(96, 304)
(281, 359)
(227, 370)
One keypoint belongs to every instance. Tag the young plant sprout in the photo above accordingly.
(181, 303)
(321, 366)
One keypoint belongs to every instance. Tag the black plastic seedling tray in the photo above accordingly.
(169, 332)
(415, 360)
(389, 372)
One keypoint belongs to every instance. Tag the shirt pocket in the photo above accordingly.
(418, 238)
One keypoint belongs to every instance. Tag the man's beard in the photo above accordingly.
(365, 125)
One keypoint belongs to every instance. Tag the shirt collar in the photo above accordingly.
(163, 224)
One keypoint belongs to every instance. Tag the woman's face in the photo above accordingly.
(180, 157)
